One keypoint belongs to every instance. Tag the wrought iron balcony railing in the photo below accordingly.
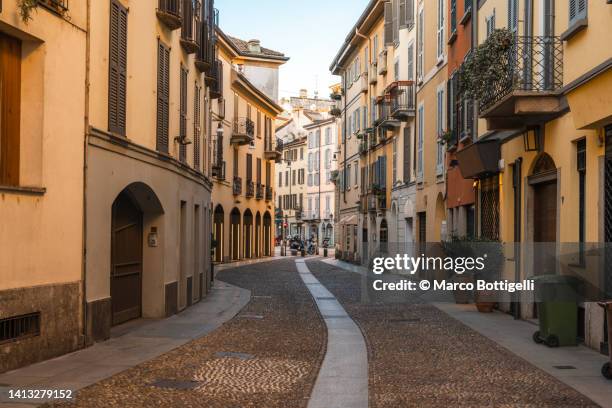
(205, 57)
(237, 186)
(214, 78)
(169, 12)
(259, 191)
(269, 193)
(402, 99)
(250, 189)
(531, 65)
(191, 26)
(243, 131)
(384, 113)
(58, 6)
(218, 170)
(272, 151)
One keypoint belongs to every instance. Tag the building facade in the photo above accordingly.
(245, 151)
(540, 163)
(376, 171)
(291, 186)
(121, 229)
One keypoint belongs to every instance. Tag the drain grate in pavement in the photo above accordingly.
(230, 354)
(175, 384)
(415, 320)
(564, 367)
(251, 316)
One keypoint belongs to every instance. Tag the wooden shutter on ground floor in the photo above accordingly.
(117, 77)
(10, 109)
(163, 97)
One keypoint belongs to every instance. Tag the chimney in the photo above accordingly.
(303, 93)
(254, 46)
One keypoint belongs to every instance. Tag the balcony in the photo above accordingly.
(169, 13)
(527, 90)
(250, 189)
(215, 80)
(363, 146)
(273, 151)
(191, 26)
(243, 131)
(480, 159)
(237, 186)
(269, 193)
(382, 63)
(373, 202)
(336, 110)
(218, 170)
(363, 81)
(384, 114)
(373, 75)
(205, 57)
(401, 94)
(259, 191)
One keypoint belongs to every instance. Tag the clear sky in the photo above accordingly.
(309, 32)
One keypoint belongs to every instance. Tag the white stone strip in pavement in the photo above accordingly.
(343, 378)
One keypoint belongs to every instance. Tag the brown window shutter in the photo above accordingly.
(249, 167)
(163, 97)
(183, 115)
(117, 87)
(197, 133)
(388, 23)
(10, 114)
(407, 164)
(259, 170)
(268, 174)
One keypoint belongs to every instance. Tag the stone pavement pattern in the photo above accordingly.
(267, 356)
(421, 357)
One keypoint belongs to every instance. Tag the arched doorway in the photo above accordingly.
(258, 235)
(543, 181)
(329, 233)
(248, 234)
(126, 259)
(235, 234)
(218, 218)
(384, 236)
(267, 234)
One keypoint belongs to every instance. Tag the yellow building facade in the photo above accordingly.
(244, 150)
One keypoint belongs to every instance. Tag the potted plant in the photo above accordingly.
(493, 253)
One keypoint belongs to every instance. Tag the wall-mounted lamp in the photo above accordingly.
(531, 140)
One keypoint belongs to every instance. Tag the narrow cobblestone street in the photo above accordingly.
(269, 355)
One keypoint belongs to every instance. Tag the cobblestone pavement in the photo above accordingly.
(268, 356)
(420, 357)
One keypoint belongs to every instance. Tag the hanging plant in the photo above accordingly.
(490, 63)
(446, 137)
(25, 9)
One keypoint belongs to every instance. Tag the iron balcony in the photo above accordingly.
(170, 14)
(237, 186)
(401, 95)
(243, 131)
(250, 189)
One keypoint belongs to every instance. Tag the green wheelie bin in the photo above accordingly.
(557, 310)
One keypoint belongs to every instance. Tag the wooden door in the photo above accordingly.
(126, 260)
(545, 227)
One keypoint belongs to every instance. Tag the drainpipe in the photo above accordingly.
(85, 165)
(357, 33)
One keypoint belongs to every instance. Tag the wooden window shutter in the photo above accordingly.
(117, 78)
(183, 115)
(163, 97)
(388, 23)
(407, 139)
(268, 174)
(197, 129)
(10, 112)
(402, 13)
(259, 170)
(577, 10)
(249, 167)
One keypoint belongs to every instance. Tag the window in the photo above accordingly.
(406, 155)
(453, 16)
(396, 69)
(286, 177)
(117, 75)
(163, 97)
(280, 179)
(259, 124)
(328, 136)
(441, 41)
(301, 153)
(577, 10)
(440, 131)
(420, 56)
(490, 23)
(197, 95)
(411, 62)
(318, 138)
(183, 116)
(348, 176)
(356, 173)
(249, 167)
(513, 15)
(420, 131)
(375, 48)
(310, 180)
(328, 159)
(317, 178)
(394, 160)
(10, 116)
(310, 163)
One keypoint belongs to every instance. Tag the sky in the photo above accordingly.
(309, 32)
